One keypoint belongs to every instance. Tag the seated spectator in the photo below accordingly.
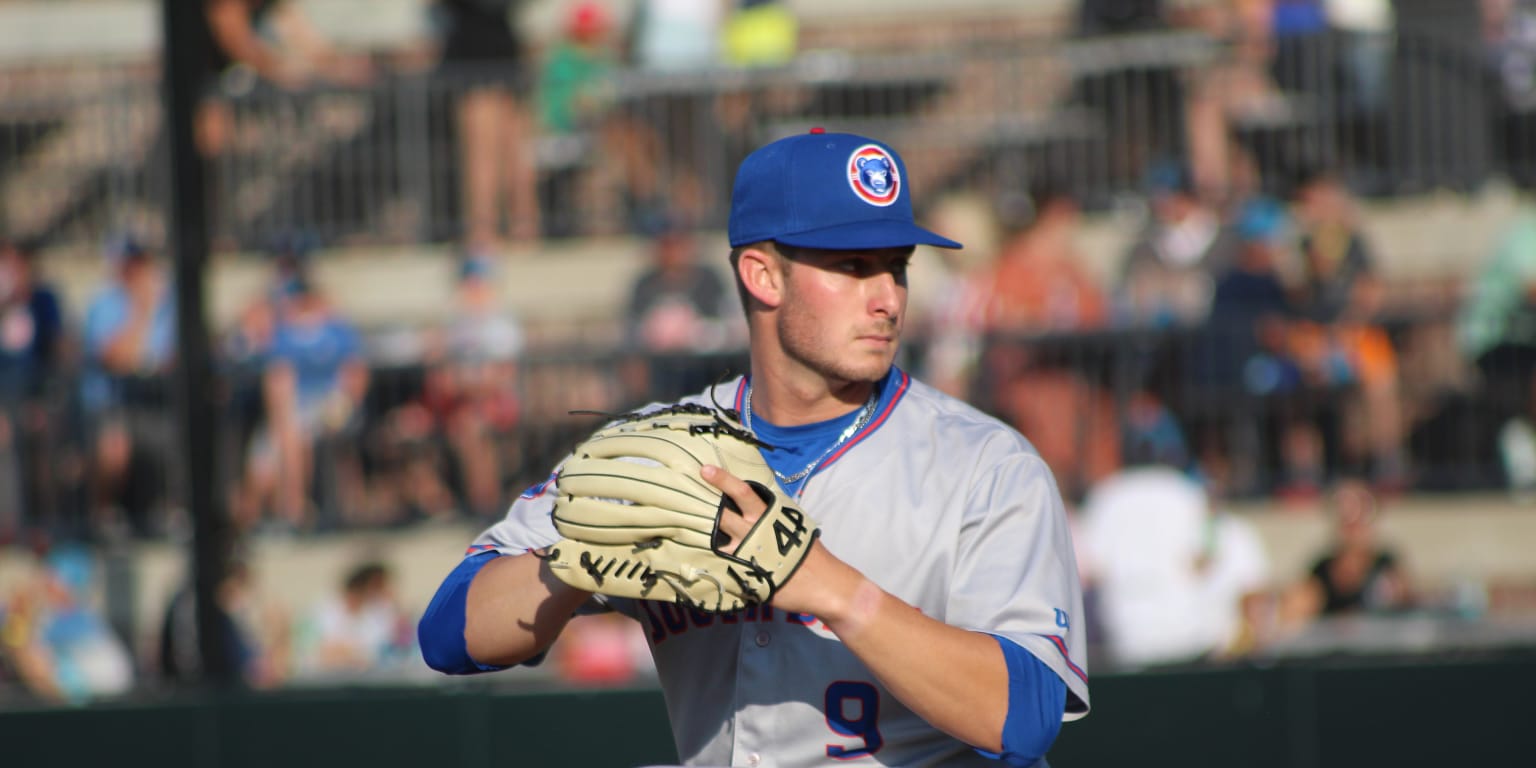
(1171, 574)
(1170, 272)
(31, 349)
(453, 446)
(1037, 285)
(1496, 332)
(255, 637)
(676, 312)
(1358, 573)
(1241, 365)
(130, 345)
(481, 414)
(245, 350)
(62, 650)
(359, 630)
(313, 389)
(1338, 340)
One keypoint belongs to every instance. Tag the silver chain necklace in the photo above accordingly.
(853, 429)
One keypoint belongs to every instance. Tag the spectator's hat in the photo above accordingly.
(476, 266)
(835, 191)
(587, 20)
(124, 249)
(1169, 177)
(1261, 221)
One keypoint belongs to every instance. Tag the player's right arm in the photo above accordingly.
(515, 609)
(500, 606)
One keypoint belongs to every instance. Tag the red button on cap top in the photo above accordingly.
(818, 129)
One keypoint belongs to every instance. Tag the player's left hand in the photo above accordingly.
(812, 589)
(640, 521)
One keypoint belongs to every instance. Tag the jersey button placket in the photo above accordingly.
(763, 638)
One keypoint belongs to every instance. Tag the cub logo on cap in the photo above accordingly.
(872, 174)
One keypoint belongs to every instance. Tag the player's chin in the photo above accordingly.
(869, 362)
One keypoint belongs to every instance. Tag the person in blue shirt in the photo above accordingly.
(31, 336)
(130, 345)
(313, 387)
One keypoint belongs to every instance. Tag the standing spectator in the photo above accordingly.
(1358, 573)
(1366, 31)
(130, 329)
(31, 347)
(576, 80)
(1141, 102)
(760, 33)
(238, 48)
(485, 61)
(679, 37)
(358, 631)
(578, 94)
(1509, 35)
(1233, 87)
(313, 389)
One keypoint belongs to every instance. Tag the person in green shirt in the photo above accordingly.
(1496, 326)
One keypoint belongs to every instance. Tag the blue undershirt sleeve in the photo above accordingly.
(440, 633)
(1036, 698)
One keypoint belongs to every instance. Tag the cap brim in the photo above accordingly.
(866, 235)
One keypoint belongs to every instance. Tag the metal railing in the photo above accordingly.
(385, 163)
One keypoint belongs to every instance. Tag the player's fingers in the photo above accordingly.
(748, 504)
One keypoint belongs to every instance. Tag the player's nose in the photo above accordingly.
(886, 293)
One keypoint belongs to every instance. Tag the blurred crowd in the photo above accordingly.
(1246, 344)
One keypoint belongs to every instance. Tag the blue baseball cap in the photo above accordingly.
(835, 191)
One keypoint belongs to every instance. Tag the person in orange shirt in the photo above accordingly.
(1037, 285)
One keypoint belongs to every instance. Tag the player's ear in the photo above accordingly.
(761, 272)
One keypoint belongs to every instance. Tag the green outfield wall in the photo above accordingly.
(1322, 714)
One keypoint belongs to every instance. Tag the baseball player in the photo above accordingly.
(935, 622)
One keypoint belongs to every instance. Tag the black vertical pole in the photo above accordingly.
(196, 399)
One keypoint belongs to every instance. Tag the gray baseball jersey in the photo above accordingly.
(942, 506)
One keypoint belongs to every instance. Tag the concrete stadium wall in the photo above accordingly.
(580, 286)
(1325, 715)
(1445, 541)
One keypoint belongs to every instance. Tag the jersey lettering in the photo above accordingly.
(853, 709)
(658, 632)
(672, 616)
